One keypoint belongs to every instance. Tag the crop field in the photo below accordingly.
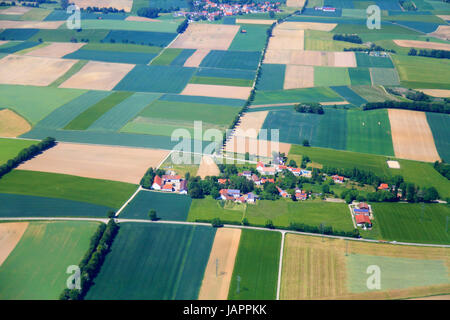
(373, 93)
(181, 59)
(111, 56)
(166, 57)
(226, 73)
(9, 148)
(12, 47)
(423, 223)
(329, 76)
(367, 61)
(63, 115)
(384, 77)
(254, 39)
(11, 124)
(65, 35)
(85, 119)
(246, 60)
(120, 114)
(169, 263)
(221, 81)
(369, 132)
(349, 95)
(334, 268)
(258, 281)
(439, 124)
(35, 103)
(15, 205)
(49, 247)
(18, 34)
(159, 39)
(296, 96)
(359, 76)
(203, 100)
(168, 206)
(165, 79)
(209, 208)
(271, 77)
(421, 72)
(101, 192)
(126, 25)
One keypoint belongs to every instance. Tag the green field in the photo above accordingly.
(359, 76)
(107, 193)
(208, 208)
(221, 81)
(423, 223)
(439, 124)
(296, 95)
(323, 41)
(162, 26)
(35, 103)
(369, 132)
(253, 40)
(9, 148)
(258, 280)
(121, 47)
(422, 72)
(74, 69)
(168, 206)
(60, 35)
(154, 262)
(89, 116)
(384, 77)
(331, 76)
(166, 57)
(373, 94)
(36, 268)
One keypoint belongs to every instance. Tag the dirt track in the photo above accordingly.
(411, 136)
(98, 162)
(222, 257)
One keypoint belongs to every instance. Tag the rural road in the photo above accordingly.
(119, 220)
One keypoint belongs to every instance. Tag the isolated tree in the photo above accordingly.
(216, 223)
(111, 214)
(245, 222)
(269, 224)
(152, 215)
(306, 143)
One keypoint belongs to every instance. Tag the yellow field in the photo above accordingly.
(315, 268)
(12, 125)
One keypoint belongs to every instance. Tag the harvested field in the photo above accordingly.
(219, 270)
(255, 21)
(10, 234)
(258, 147)
(206, 36)
(442, 32)
(436, 92)
(6, 24)
(99, 162)
(35, 71)
(12, 125)
(55, 50)
(117, 4)
(15, 10)
(310, 58)
(411, 136)
(295, 25)
(250, 124)
(298, 77)
(295, 3)
(344, 59)
(196, 58)
(98, 76)
(422, 44)
(206, 90)
(208, 168)
(286, 39)
(137, 18)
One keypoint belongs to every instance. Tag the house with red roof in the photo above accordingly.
(301, 195)
(283, 193)
(338, 179)
(361, 220)
(383, 186)
(157, 183)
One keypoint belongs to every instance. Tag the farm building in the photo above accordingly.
(170, 183)
(301, 195)
(236, 196)
(338, 179)
(383, 186)
(362, 220)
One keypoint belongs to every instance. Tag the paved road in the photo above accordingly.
(119, 220)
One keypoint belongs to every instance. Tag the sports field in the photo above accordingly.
(168, 206)
(168, 263)
(107, 193)
(50, 247)
(258, 281)
(315, 268)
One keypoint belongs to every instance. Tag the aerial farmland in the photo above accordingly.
(224, 150)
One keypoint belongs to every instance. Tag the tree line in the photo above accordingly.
(26, 154)
(437, 107)
(93, 260)
(309, 108)
(443, 168)
(439, 54)
(353, 38)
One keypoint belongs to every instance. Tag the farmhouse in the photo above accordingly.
(362, 220)
(236, 196)
(301, 195)
(270, 171)
(338, 179)
(170, 183)
(383, 186)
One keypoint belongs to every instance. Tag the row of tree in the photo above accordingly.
(439, 54)
(353, 38)
(443, 168)
(309, 108)
(26, 154)
(323, 229)
(92, 261)
(438, 107)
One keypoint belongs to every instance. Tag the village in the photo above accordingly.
(210, 10)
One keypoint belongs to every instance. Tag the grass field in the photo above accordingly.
(369, 132)
(258, 280)
(208, 208)
(165, 79)
(271, 77)
(330, 76)
(159, 39)
(323, 41)
(85, 119)
(168, 206)
(60, 35)
(166, 57)
(349, 95)
(35, 103)
(13, 47)
(359, 76)
(439, 124)
(367, 61)
(148, 26)
(373, 94)
(296, 95)
(14, 205)
(384, 77)
(18, 34)
(111, 56)
(9, 148)
(221, 81)
(121, 47)
(105, 193)
(422, 72)
(168, 263)
(245, 60)
(422, 223)
(50, 247)
(315, 268)
(253, 40)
